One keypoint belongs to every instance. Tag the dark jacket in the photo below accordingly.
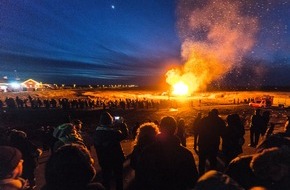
(107, 144)
(257, 124)
(167, 165)
(233, 138)
(212, 127)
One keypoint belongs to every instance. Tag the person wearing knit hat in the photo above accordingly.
(11, 168)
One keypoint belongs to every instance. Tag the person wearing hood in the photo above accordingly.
(107, 142)
(166, 164)
(66, 134)
(30, 154)
(11, 169)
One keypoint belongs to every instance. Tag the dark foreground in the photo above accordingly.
(31, 121)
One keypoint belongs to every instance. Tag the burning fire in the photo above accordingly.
(214, 38)
(180, 89)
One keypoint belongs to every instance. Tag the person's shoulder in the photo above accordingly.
(241, 159)
(185, 150)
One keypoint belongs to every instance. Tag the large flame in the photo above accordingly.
(180, 89)
(214, 38)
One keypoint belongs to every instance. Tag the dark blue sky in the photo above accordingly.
(123, 41)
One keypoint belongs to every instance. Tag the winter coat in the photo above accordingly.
(107, 144)
(167, 165)
(209, 133)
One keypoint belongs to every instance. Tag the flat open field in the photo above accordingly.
(184, 107)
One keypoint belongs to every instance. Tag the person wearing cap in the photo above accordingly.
(107, 138)
(166, 164)
(11, 169)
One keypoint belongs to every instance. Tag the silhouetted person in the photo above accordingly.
(181, 131)
(30, 154)
(195, 127)
(11, 169)
(233, 138)
(66, 134)
(107, 140)
(87, 139)
(269, 169)
(211, 129)
(70, 167)
(266, 119)
(256, 128)
(287, 126)
(166, 164)
(146, 135)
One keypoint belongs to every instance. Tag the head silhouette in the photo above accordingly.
(168, 125)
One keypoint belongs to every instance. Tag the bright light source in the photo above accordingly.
(180, 89)
(15, 85)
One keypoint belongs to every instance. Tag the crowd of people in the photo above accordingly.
(160, 158)
(81, 103)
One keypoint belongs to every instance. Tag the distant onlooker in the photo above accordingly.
(266, 118)
(11, 169)
(107, 138)
(166, 164)
(195, 127)
(256, 128)
(70, 167)
(181, 131)
(287, 126)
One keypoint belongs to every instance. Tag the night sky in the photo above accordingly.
(137, 41)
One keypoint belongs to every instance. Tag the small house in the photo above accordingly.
(31, 84)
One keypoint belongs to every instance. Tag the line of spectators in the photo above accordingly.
(82, 103)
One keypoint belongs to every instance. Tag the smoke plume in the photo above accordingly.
(215, 35)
